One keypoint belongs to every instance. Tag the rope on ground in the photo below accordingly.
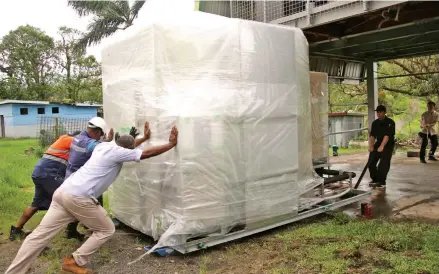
(138, 259)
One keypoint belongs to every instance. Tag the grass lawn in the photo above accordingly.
(348, 150)
(333, 245)
(338, 245)
(16, 186)
(16, 193)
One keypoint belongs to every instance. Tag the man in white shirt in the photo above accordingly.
(76, 199)
(429, 120)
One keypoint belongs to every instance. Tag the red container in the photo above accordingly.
(367, 213)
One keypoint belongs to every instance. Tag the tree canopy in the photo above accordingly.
(35, 66)
(107, 18)
(405, 97)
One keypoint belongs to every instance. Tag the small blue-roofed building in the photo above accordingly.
(19, 119)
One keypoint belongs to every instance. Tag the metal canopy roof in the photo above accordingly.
(343, 34)
(409, 40)
(416, 34)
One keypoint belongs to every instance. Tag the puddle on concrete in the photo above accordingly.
(407, 178)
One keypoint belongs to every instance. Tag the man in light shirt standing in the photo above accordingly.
(76, 199)
(429, 120)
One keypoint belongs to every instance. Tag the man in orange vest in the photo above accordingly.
(47, 176)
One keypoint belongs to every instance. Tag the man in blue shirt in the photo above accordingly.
(47, 176)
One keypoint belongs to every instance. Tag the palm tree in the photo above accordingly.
(108, 17)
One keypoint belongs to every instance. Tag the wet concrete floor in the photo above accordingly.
(412, 190)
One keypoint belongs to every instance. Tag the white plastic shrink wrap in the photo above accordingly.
(239, 93)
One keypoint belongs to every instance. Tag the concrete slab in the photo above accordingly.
(412, 188)
(425, 211)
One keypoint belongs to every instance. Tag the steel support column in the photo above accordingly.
(372, 90)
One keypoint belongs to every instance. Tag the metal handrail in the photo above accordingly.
(346, 131)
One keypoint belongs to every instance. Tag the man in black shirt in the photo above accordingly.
(381, 144)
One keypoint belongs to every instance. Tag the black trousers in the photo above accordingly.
(434, 143)
(379, 164)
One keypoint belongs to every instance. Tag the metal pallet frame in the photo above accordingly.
(216, 240)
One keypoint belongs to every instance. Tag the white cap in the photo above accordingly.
(97, 122)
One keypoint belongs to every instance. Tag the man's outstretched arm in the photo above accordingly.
(109, 137)
(146, 135)
(157, 150)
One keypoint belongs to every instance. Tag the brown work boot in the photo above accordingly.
(70, 265)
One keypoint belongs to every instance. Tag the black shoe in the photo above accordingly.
(381, 187)
(18, 233)
(423, 161)
(432, 158)
(74, 234)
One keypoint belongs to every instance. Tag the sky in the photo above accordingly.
(48, 15)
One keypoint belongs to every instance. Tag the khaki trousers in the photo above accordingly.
(65, 208)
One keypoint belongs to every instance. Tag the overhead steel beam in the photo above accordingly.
(407, 53)
(403, 42)
(406, 50)
(420, 53)
(407, 75)
(391, 49)
(335, 56)
(387, 34)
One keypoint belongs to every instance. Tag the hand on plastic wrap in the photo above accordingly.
(147, 131)
(173, 136)
(134, 132)
(109, 137)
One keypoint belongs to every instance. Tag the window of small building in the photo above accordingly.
(23, 111)
(55, 110)
(41, 110)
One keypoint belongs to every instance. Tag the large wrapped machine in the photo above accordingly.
(239, 93)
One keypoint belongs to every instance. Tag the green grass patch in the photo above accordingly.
(338, 245)
(17, 161)
(17, 188)
(376, 246)
(348, 150)
(352, 150)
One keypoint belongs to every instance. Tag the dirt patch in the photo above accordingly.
(8, 250)
(383, 264)
(306, 242)
(248, 255)
(113, 257)
(245, 259)
(348, 254)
